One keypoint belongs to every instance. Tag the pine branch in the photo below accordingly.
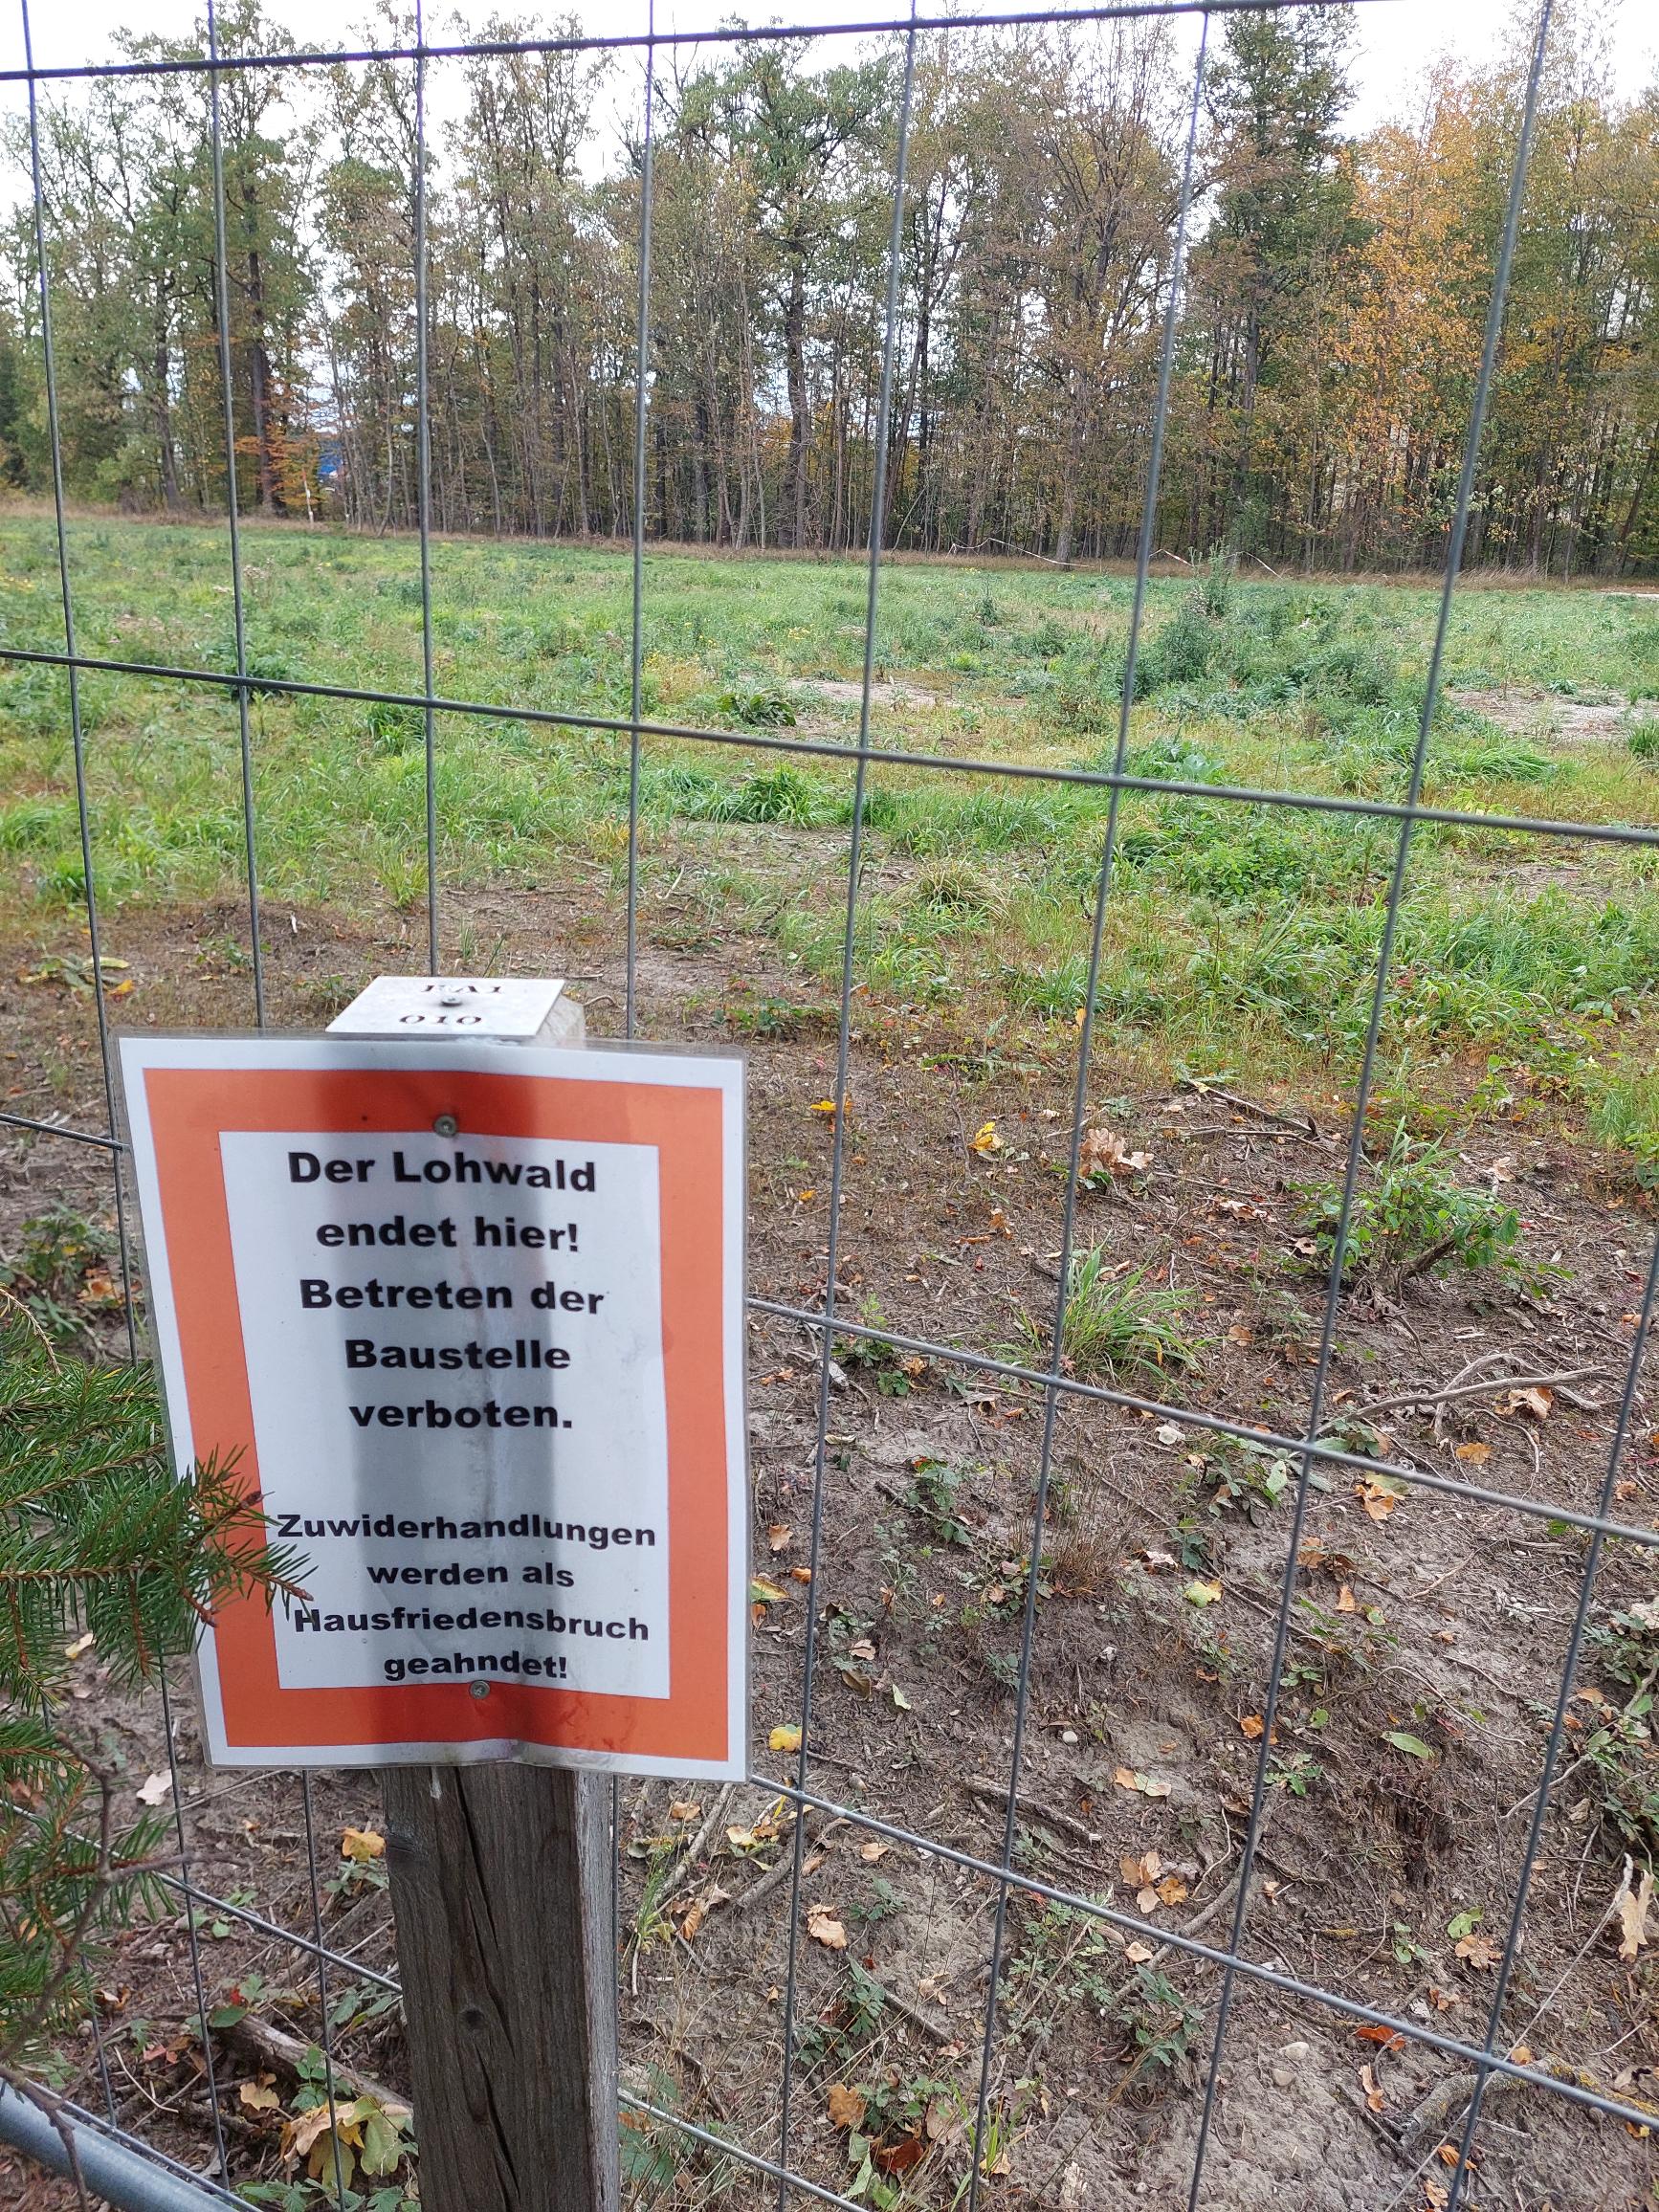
(96, 1535)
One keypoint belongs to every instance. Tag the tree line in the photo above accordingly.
(1327, 338)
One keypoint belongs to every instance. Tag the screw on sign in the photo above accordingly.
(463, 1311)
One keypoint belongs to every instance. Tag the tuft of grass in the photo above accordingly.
(764, 706)
(1115, 1327)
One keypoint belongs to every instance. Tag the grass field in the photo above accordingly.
(1237, 934)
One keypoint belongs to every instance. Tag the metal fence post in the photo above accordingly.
(500, 1886)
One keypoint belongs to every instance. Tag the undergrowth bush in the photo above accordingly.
(1412, 1219)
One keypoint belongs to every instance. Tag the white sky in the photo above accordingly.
(1397, 37)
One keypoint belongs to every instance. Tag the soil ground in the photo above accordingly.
(1386, 1875)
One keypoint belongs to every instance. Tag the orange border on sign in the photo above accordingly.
(189, 1108)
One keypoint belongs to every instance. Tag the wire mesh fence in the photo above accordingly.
(687, 2148)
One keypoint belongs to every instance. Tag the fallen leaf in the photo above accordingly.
(684, 1809)
(763, 1593)
(1149, 1785)
(874, 1854)
(778, 1536)
(846, 2106)
(787, 1737)
(698, 1910)
(1173, 1890)
(1146, 1901)
(300, 2134)
(1251, 1724)
(1139, 1871)
(1201, 1593)
(1104, 1152)
(260, 2096)
(156, 1790)
(361, 1844)
(1390, 2038)
(1413, 1746)
(1536, 1402)
(1479, 1951)
(1345, 1598)
(943, 2117)
(1168, 1433)
(986, 1138)
(1631, 1906)
(1522, 2055)
(1474, 1453)
(81, 1646)
(899, 2158)
(800, 1574)
(1137, 1954)
(824, 1928)
(1378, 1494)
(1373, 2094)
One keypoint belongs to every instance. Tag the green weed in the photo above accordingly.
(1412, 1219)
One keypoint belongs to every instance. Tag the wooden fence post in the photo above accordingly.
(500, 1884)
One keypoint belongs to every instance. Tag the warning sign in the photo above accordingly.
(467, 1318)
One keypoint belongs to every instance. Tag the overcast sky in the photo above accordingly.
(1398, 37)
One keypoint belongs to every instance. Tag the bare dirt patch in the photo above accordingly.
(1546, 715)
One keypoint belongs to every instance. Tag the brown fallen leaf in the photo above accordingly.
(899, 2158)
(1137, 1954)
(361, 1844)
(943, 2119)
(698, 1910)
(874, 1854)
(1104, 1152)
(1345, 1602)
(800, 1574)
(302, 2130)
(260, 2096)
(1146, 1901)
(1474, 1453)
(155, 1789)
(845, 2106)
(1631, 1907)
(1477, 1950)
(1172, 1890)
(778, 1536)
(1377, 1497)
(1373, 2094)
(1536, 1402)
(1251, 1725)
(1390, 2038)
(1138, 1871)
(824, 1928)
(1148, 1784)
(684, 1809)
